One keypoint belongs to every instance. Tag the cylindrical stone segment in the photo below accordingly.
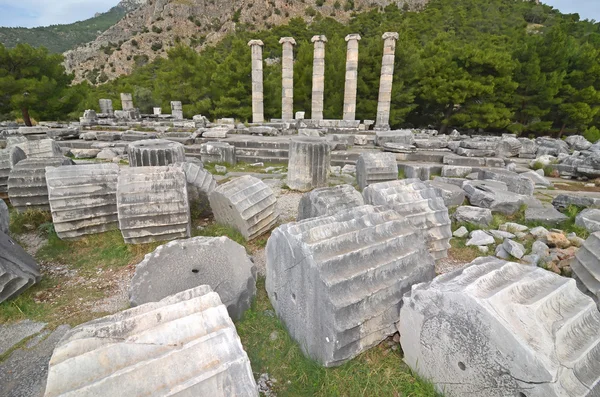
(351, 77)
(258, 113)
(287, 78)
(106, 106)
(309, 162)
(318, 83)
(177, 110)
(126, 101)
(387, 79)
(155, 152)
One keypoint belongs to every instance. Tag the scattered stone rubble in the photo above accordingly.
(18, 270)
(246, 204)
(336, 281)
(185, 344)
(152, 204)
(500, 328)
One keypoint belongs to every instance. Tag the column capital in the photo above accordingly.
(287, 40)
(354, 36)
(256, 42)
(319, 38)
(390, 35)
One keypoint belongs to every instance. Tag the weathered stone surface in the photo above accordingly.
(152, 203)
(18, 270)
(422, 171)
(499, 234)
(217, 133)
(41, 148)
(404, 137)
(351, 84)
(318, 78)
(199, 185)
(588, 219)
(258, 115)
(475, 152)
(14, 333)
(375, 167)
(545, 215)
(453, 171)
(329, 201)
(422, 205)
(537, 179)
(309, 162)
(185, 344)
(60, 134)
(578, 142)
(85, 153)
(386, 80)
(514, 248)
(515, 182)
(502, 329)
(83, 199)
(508, 147)
(180, 265)
(563, 201)
(474, 215)
(452, 194)
(155, 152)
(132, 136)
(33, 133)
(8, 158)
(247, 204)
(218, 152)
(27, 182)
(287, 77)
(336, 281)
(5, 218)
(480, 237)
(485, 195)
(461, 232)
(528, 148)
(586, 264)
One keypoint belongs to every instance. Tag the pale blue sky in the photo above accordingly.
(30, 13)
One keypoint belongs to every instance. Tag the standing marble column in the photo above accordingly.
(387, 78)
(287, 78)
(258, 113)
(318, 83)
(351, 77)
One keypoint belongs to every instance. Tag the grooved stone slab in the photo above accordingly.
(497, 328)
(586, 264)
(336, 281)
(246, 204)
(329, 201)
(4, 217)
(422, 205)
(155, 152)
(185, 344)
(486, 195)
(18, 270)
(152, 204)
(183, 264)
(27, 182)
(515, 182)
(199, 185)
(41, 148)
(83, 199)
(375, 167)
(308, 166)
(9, 157)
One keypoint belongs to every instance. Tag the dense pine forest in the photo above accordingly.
(495, 65)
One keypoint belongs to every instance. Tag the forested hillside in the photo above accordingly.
(60, 38)
(498, 65)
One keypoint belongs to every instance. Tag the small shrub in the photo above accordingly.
(311, 12)
(156, 46)
(319, 3)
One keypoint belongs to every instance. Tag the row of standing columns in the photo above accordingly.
(318, 81)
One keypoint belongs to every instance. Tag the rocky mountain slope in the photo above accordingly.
(149, 31)
(60, 38)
